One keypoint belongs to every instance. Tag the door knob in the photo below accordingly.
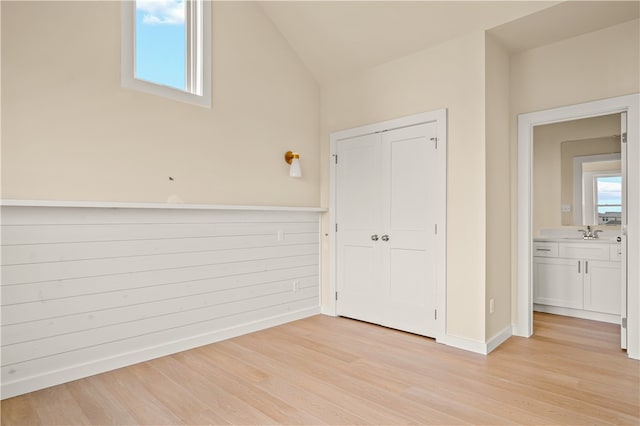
(385, 237)
(374, 237)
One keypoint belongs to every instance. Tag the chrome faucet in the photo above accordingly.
(589, 234)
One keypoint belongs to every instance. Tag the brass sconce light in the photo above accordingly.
(293, 158)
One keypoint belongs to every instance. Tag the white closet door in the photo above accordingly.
(386, 184)
(410, 223)
(359, 210)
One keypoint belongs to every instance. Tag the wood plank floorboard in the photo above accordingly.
(337, 371)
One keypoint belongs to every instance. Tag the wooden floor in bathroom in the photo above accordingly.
(324, 370)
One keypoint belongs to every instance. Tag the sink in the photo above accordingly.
(606, 240)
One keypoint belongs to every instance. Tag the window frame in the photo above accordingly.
(198, 55)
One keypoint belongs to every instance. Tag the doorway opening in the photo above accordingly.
(577, 212)
(629, 231)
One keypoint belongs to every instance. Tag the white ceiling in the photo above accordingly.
(337, 38)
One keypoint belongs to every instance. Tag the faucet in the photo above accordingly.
(589, 234)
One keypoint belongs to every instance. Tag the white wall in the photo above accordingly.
(593, 66)
(70, 132)
(450, 76)
(86, 290)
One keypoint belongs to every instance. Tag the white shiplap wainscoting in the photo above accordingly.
(89, 288)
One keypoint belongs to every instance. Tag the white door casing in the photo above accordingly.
(624, 276)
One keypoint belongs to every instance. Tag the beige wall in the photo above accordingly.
(498, 229)
(597, 65)
(592, 66)
(70, 132)
(553, 174)
(450, 76)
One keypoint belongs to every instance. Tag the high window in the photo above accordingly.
(166, 48)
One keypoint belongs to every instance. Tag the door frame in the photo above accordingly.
(526, 122)
(438, 116)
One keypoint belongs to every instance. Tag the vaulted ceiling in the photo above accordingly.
(337, 38)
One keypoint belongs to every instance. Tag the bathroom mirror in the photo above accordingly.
(575, 164)
(596, 187)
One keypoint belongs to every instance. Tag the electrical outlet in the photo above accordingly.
(280, 235)
(492, 306)
(296, 286)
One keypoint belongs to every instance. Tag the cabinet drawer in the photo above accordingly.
(584, 251)
(615, 253)
(545, 249)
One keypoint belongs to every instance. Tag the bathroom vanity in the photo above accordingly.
(579, 278)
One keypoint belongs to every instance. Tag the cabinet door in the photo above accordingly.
(558, 282)
(602, 292)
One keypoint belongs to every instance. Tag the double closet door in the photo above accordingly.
(389, 195)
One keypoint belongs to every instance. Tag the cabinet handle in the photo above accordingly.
(385, 238)
(539, 249)
(578, 266)
(586, 266)
(374, 237)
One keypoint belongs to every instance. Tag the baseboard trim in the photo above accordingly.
(465, 344)
(328, 311)
(499, 339)
(477, 346)
(79, 371)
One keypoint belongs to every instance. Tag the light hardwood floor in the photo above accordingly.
(325, 370)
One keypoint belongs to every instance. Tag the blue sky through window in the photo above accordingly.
(609, 193)
(160, 42)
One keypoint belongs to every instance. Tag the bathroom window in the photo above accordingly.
(602, 197)
(608, 197)
(166, 48)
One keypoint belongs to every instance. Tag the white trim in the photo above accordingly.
(499, 339)
(168, 206)
(477, 346)
(127, 61)
(577, 181)
(10, 389)
(526, 123)
(439, 116)
(465, 344)
(329, 307)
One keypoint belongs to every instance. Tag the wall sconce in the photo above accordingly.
(293, 158)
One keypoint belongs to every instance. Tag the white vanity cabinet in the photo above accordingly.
(557, 282)
(602, 286)
(578, 278)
